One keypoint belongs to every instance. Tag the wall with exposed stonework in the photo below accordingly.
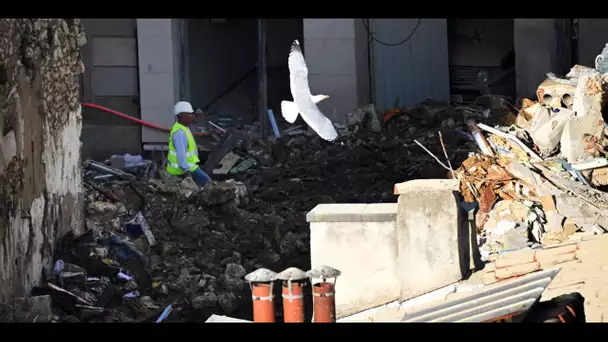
(40, 124)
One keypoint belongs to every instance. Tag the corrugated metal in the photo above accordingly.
(508, 297)
(413, 71)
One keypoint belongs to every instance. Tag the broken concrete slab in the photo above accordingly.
(432, 234)
(588, 97)
(546, 128)
(33, 309)
(229, 140)
(580, 211)
(573, 146)
(361, 241)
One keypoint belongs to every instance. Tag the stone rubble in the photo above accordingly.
(543, 181)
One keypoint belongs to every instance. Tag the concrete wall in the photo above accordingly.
(479, 42)
(360, 240)
(40, 174)
(433, 236)
(221, 54)
(415, 70)
(592, 38)
(110, 80)
(540, 47)
(158, 43)
(388, 252)
(336, 55)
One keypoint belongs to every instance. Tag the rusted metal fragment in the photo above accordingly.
(486, 201)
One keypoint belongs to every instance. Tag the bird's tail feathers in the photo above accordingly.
(290, 111)
(295, 46)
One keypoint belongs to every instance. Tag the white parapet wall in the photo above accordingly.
(360, 240)
(434, 237)
(394, 251)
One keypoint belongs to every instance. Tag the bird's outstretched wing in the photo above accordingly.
(298, 80)
(298, 71)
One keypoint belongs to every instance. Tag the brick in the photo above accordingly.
(547, 261)
(515, 258)
(514, 271)
(489, 278)
(556, 251)
(548, 203)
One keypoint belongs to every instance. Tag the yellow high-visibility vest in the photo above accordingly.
(191, 153)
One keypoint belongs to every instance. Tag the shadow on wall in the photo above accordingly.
(221, 54)
(104, 134)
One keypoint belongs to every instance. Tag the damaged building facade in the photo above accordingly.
(39, 160)
(141, 67)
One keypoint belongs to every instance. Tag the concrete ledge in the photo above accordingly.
(427, 184)
(373, 212)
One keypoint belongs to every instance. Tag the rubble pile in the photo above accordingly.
(539, 181)
(165, 249)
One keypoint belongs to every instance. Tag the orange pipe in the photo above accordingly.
(324, 303)
(263, 306)
(139, 121)
(293, 302)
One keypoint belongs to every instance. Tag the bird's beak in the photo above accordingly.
(326, 97)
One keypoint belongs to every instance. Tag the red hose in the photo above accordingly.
(141, 122)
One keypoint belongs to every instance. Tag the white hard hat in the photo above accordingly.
(182, 107)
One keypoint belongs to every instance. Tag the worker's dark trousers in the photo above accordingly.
(200, 177)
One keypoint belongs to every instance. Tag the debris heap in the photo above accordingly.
(541, 180)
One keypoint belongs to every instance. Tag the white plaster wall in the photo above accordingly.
(366, 254)
(158, 74)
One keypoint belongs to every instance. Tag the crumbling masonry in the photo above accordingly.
(40, 122)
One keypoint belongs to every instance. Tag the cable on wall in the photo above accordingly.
(391, 44)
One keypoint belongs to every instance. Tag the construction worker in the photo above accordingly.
(183, 153)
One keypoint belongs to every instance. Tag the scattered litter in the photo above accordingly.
(131, 294)
(165, 314)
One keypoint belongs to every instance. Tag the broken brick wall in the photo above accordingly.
(40, 121)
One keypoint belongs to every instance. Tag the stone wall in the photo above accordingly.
(40, 122)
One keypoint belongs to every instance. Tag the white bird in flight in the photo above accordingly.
(304, 103)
